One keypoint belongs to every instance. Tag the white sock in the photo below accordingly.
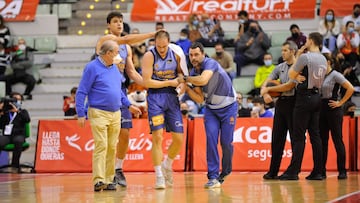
(168, 163)
(158, 172)
(119, 163)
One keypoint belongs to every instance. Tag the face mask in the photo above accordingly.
(195, 22)
(356, 14)
(295, 35)
(329, 17)
(2, 52)
(184, 112)
(218, 53)
(22, 47)
(117, 59)
(250, 105)
(241, 21)
(18, 104)
(268, 62)
(182, 37)
(253, 30)
(350, 30)
(207, 21)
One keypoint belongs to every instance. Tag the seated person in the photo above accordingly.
(242, 110)
(348, 43)
(251, 47)
(211, 31)
(225, 59)
(184, 41)
(69, 103)
(262, 73)
(12, 126)
(21, 62)
(193, 25)
(259, 111)
(5, 60)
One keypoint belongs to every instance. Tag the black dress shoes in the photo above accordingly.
(314, 176)
(286, 176)
(342, 176)
(269, 176)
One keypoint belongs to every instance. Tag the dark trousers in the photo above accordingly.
(283, 122)
(17, 140)
(241, 60)
(25, 78)
(331, 120)
(306, 117)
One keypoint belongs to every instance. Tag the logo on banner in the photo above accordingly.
(167, 7)
(11, 9)
(71, 139)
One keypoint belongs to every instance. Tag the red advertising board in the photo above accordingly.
(15, 10)
(341, 8)
(62, 146)
(179, 10)
(252, 146)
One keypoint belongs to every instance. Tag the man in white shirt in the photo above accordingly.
(355, 17)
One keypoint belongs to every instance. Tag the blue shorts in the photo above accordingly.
(164, 111)
(126, 118)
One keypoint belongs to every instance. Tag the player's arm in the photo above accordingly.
(127, 39)
(195, 94)
(147, 71)
(130, 68)
(200, 80)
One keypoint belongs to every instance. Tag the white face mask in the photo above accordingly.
(117, 59)
(182, 37)
(241, 21)
(22, 47)
(267, 62)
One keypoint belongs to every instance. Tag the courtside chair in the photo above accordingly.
(25, 146)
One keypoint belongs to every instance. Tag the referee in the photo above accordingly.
(283, 108)
(312, 65)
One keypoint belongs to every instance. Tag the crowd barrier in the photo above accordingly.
(62, 146)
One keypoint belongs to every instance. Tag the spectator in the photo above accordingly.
(297, 36)
(69, 103)
(210, 30)
(225, 59)
(11, 114)
(354, 17)
(138, 50)
(193, 25)
(150, 44)
(5, 60)
(159, 26)
(4, 33)
(184, 41)
(251, 47)
(262, 73)
(259, 111)
(348, 43)
(242, 111)
(21, 62)
(349, 109)
(329, 28)
(244, 22)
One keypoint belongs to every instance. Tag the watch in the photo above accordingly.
(185, 78)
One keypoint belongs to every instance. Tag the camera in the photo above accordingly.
(7, 104)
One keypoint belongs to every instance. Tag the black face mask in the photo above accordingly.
(253, 30)
(295, 35)
(218, 53)
(184, 112)
(356, 14)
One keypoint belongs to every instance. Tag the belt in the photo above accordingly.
(287, 97)
(314, 90)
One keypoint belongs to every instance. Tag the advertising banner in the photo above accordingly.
(252, 146)
(179, 10)
(18, 10)
(341, 8)
(62, 146)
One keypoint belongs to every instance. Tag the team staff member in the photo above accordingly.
(100, 84)
(312, 65)
(126, 66)
(284, 107)
(331, 115)
(213, 85)
(160, 69)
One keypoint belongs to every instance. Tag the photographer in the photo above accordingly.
(12, 126)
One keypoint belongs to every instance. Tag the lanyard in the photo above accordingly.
(12, 117)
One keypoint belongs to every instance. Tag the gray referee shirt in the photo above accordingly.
(329, 83)
(281, 72)
(317, 66)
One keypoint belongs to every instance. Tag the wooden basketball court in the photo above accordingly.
(188, 187)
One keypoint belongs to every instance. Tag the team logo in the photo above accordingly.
(171, 7)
